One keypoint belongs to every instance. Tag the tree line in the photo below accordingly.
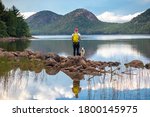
(12, 23)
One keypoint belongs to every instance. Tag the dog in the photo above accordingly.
(82, 52)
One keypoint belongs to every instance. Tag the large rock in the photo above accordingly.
(30, 52)
(39, 55)
(53, 56)
(52, 70)
(83, 63)
(135, 64)
(113, 64)
(32, 57)
(147, 66)
(16, 54)
(50, 62)
(23, 54)
(71, 69)
(9, 55)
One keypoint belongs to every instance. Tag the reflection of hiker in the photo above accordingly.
(76, 88)
(76, 77)
(76, 43)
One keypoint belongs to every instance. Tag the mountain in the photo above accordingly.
(42, 18)
(142, 18)
(80, 18)
(46, 22)
(141, 23)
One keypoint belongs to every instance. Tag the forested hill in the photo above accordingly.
(12, 24)
(87, 23)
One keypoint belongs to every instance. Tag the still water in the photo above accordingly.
(25, 84)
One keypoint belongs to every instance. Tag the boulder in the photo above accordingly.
(15, 54)
(91, 69)
(32, 56)
(113, 64)
(39, 55)
(50, 62)
(71, 69)
(53, 56)
(147, 66)
(67, 63)
(23, 54)
(52, 71)
(9, 55)
(30, 52)
(135, 64)
(83, 63)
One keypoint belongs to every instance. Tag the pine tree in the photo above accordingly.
(12, 23)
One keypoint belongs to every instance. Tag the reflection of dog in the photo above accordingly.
(82, 52)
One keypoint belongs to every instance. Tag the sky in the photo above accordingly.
(106, 10)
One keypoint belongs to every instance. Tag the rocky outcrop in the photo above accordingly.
(53, 63)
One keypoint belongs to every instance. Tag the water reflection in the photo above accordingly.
(108, 51)
(76, 77)
(32, 80)
(129, 49)
(62, 85)
(19, 45)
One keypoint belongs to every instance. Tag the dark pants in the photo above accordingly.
(76, 47)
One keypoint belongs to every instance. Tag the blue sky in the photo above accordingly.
(98, 7)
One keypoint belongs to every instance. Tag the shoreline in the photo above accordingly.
(13, 39)
(54, 63)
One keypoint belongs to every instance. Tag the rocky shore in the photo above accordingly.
(13, 39)
(54, 63)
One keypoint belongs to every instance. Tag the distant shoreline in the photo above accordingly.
(12, 39)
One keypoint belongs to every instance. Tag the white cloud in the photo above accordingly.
(116, 18)
(27, 14)
(146, 0)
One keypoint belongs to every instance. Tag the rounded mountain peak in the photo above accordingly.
(42, 18)
(83, 12)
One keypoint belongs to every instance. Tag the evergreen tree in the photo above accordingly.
(3, 29)
(12, 23)
(22, 28)
(2, 7)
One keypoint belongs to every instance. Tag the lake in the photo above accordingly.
(25, 84)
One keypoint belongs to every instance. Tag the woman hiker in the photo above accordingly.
(76, 43)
